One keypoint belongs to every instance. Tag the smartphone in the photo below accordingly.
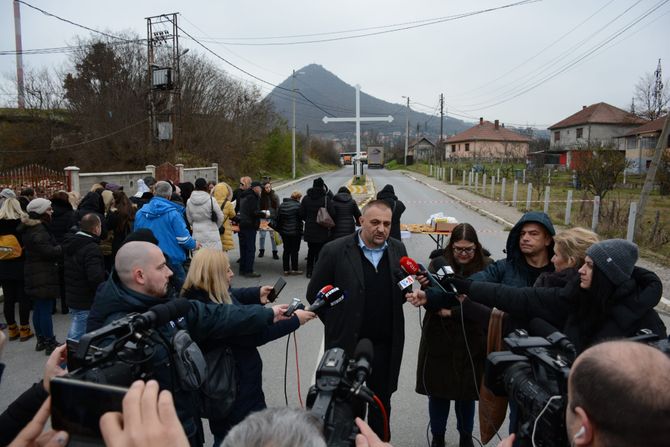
(76, 407)
(276, 290)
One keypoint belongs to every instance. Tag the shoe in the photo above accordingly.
(438, 441)
(13, 331)
(252, 275)
(50, 344)
(465, 440)
(40, 346)
(296, 272)
(261, 253)
(275, 255)
(26, 333)
(287, 272)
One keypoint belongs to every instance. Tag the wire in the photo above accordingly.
(385, 416)
(288, 339)
(551, 399)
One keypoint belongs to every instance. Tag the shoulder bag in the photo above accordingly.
(323, 216)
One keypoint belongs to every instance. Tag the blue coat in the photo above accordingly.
(166, 220)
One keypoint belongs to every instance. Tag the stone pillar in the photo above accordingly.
(216, 172)
(151, 169)
(72, 178)
(180, 172)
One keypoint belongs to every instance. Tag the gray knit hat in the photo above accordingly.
(8, 194)
(38, 206)
(615, 258)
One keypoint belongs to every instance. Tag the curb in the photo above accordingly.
(298, 180)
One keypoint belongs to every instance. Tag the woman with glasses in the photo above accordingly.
(444, 372)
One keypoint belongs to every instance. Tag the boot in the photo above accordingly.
(438, 441)
(261, 253)
(13, 331)
(465, 440)
(26, 333)
(50, 344)
(275, 255)
(40, 346)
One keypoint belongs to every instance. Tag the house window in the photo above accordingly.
(580, 132)
(453, 148)
(557, 135)
(467, 147)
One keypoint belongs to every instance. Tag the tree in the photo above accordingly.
(645, 105)
(599, 169)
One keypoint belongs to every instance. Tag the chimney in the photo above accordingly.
(496, 124)
(481, 120)
(583, 107)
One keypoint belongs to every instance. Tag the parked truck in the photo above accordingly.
(375, 157)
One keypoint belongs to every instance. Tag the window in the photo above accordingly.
(453, 148)
(580, 132)
(467, 147)
(557, 135)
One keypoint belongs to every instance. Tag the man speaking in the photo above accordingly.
(365, 265)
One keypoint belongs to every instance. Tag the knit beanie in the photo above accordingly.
(615, 258)
(38, 206)
(318, 183)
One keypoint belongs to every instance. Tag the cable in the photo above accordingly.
(385, 416)
(552, 398)
(288, 339)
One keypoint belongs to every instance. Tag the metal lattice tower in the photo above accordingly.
(658, 90)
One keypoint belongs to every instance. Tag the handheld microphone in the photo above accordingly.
(405, 283)
(296, 304)
(541, 328)
(363, 355)
(444, 272)
(411, 267)
(327, 296)
(161, 314)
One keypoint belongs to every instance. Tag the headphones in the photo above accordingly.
(580, 433)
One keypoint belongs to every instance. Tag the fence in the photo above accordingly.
(42, 180)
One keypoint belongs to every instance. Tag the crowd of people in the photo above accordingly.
(108, 255)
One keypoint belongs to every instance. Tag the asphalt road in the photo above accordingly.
(409, 417)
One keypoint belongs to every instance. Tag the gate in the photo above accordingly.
(167, 171)
(43, 180)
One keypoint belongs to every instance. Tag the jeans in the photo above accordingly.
(247, 250)
(42, 317)
(178, 274)
(313, 254)
(291, 249)
(78, 325)
(261, 242)
(13, 291)
(438, 409)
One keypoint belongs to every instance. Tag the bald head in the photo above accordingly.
(624, 389)
(141, 267)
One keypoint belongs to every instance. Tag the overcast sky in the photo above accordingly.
(476, 61)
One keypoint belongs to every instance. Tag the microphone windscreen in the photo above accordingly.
(364, 349)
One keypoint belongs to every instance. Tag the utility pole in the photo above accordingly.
(406, 131)
(441, 127)
(19, 56)
(293, 126)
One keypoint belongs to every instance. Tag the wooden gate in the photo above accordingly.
(43, 180)
(167, 171)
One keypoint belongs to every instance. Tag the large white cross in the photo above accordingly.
(357, 119)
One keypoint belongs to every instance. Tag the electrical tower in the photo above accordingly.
(658, 91)
(163, 71)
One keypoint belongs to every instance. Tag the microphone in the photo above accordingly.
(162, 314)
(405, 283)
(327, 296)
(541, 328)
(363, 355)
(444, 272)
(411, 267)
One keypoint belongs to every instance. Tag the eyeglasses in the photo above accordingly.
(464, 250)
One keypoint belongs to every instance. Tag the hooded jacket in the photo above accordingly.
(514, 271)
(62, 219)
(92, 203)
(387, 194)
(345, 213)
(166, 220)
(41, 260)
(203, 322)
(220, 194)
(288, 218)
(309, 208)
(199, 214)
(270, 201)
(84, 269)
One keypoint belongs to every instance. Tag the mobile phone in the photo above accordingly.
(276, 290)
(76, 407)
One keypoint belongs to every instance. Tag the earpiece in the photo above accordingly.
(580, 433)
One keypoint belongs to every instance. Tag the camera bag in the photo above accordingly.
(219, 389)
(189, 361)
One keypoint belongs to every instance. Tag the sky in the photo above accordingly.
(530, 64)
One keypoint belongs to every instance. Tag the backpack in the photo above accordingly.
(219, 390)
(10, 248)
(189, 361)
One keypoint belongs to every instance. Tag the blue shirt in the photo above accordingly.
(374, 255)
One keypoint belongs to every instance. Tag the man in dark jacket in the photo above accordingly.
(84, 271)
(289, 226)
(140, 281)
(345, 213)
(315, 234)
(250, 220)
(365, 266)
(387, 194)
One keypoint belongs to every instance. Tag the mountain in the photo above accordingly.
(338, 98)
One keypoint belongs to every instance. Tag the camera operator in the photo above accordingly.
(139, 282)
(618, 395)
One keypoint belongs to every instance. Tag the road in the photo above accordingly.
(410, 410)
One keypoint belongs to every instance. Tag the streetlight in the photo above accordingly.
(293, 127)
(406, 129)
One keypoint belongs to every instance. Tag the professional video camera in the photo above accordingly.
(339, 390)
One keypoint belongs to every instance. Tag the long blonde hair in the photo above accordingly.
(573, 243)
(209, 272)
(11, 210)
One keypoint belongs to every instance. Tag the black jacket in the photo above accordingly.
(288, 218)
(84, 269)
(40, 269)
(92, 203)
(387, 194)
(309, 207)
(20, 412)
(12, 269)
(340, 265)
(62, 219)
(270, 201)
(204, 322)
(250, 211)
(345, 213)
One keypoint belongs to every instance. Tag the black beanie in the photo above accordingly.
(615, 258)
(318, 183)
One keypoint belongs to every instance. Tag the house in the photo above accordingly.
(640, 143)
(423, 149)
(597, 125)
(489, 140)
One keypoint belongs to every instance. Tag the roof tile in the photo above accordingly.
(487, 131)
(600, 113)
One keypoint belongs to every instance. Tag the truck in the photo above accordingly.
(375, 157)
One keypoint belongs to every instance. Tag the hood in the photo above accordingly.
(386, 193)
(220, 192)
(28, 222)
(199, 198)
(342, 197)
(92, 202)
(316, 193)
(512, 246)
(158, 206)
(60, 206)
(73, 242)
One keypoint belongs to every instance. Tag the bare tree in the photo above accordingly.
(644, 98)
(599, 169)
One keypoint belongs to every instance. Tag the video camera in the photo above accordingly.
(339, 391)
(534, 374)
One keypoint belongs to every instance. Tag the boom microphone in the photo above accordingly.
(541, 328)
(162, 314)
(363, 356)
(327, 296)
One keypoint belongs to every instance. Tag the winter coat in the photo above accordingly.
(270, 201)
(250, 211)
(203, 322)
(288, 218)
(443, 367)
(199, 214)
(40, 269)
(166, 220)
(12, 269)
(387, 194)
(62, 219)
(309, 207)
(629, 309)
(514, 271)
(345, 213)
(92, 203)
(248, 362)
(84, 269)
(340, 264)
(220, 194)
(118, 234)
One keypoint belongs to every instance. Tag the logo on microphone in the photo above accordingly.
(406, 282)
